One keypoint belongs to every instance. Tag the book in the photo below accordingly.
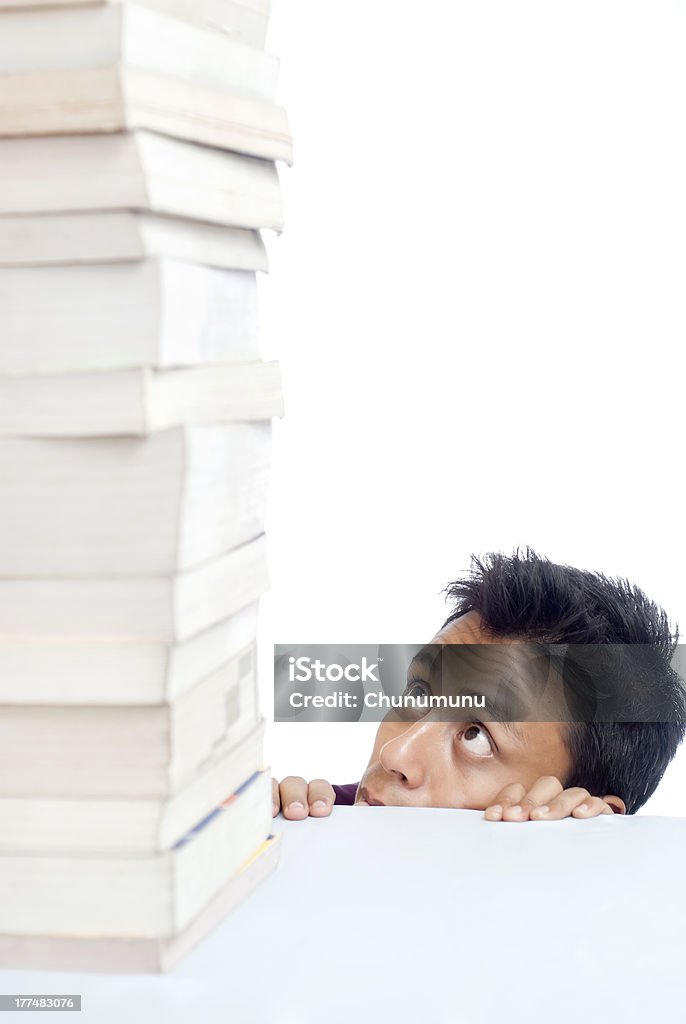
(39, 826)
(149, 955)
(76, 752)
(123, 66)
(130, 506)
(122, 98)
(244, 20)
(120, 671)
(136, 896)
(65, 39)
(137, 401)
(138, 170)
(104, 236)
(152, 608)
(101, 316)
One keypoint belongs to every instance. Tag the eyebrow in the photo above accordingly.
(514, 731)
(423, 658)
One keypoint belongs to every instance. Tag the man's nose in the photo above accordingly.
(403, 756)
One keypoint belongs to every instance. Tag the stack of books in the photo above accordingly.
(138, 144)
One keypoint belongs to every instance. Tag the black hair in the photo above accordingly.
(524, 596)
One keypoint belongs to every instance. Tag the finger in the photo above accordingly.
(507, 796)
(293, 791)
(591, 808)
(276, 798)
(562, 806)
(321, 798)
(543, 791)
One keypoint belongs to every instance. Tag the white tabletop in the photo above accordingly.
(406, 915)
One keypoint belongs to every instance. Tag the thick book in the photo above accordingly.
(76, 752)
(32, 825)
(146, 608)
(123, 66)
(102, 316)
(123, 98)
(129, 506)
(244, 20)
(137, 401)
(132, 955)
(138, 170)
(65, 39)
(105, 236)
(136, 896)
(94, 671)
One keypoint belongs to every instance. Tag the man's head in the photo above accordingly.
(519, 600)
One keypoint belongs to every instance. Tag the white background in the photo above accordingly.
(478, 305)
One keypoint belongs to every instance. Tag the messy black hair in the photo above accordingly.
(524, 596)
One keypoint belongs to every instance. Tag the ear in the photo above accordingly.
(616, 803)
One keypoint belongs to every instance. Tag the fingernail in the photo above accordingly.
(516, 810)
(319, 805)
(296, 806)
(494, 812)
(540, 812)
(275, 810)
(583, 808)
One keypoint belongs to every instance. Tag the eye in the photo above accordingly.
(417, 688)
(476, 740)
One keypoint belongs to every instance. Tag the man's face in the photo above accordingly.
(433, 763)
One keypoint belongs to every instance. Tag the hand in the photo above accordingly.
(298, 799)
(545, 801)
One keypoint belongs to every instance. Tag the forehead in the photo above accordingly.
(517, 681)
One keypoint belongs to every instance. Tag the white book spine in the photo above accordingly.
(72, 671)
(116, 99)
(125, 236)
(155, 609)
